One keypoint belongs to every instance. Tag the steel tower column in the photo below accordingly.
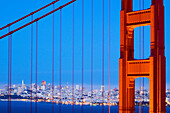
(153, 67)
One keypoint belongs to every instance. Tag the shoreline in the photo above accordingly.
(63, 103)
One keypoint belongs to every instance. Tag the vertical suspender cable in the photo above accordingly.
(53, 66)
(10, 74)
(36, 63)
(60, 56)
(143, 58)
(140, 58)
(109, 49)
(73, 66)
(8, 66)
(82, 47)
(9, 70)
(103, 65)
(92, 57)
(31, 59)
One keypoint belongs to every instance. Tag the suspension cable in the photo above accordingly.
(60, 56)
(92, 57)
(143, 58)
(31, 60)
(82, 47)
(140, 59)
(37, 19)
(9, 70)
(109, 48)
(53, 65)
(28, 15)
(73, 66)
(103, 65)
(36, 63)
(8, 67)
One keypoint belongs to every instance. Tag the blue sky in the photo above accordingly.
(14, 9)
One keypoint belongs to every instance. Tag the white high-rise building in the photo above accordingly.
(102, 88)
(77, 87)
(22, 83)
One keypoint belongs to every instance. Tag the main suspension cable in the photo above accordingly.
(8, 25)
(37, 19)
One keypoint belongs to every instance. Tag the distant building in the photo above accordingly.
(23, 85)
(77, 87)
(43, 85)
(102, 88)
(115, 89)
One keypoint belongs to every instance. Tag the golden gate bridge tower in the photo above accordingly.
(153, 68)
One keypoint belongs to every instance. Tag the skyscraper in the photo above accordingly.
(23, 84)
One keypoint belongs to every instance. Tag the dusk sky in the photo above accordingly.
(12, 10)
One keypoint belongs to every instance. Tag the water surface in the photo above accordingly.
(25, 107)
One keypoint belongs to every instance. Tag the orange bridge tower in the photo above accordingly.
(153, 67)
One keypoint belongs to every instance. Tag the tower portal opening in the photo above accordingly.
(142, 95)
(142, 45)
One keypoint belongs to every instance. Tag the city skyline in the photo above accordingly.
(22, 92)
